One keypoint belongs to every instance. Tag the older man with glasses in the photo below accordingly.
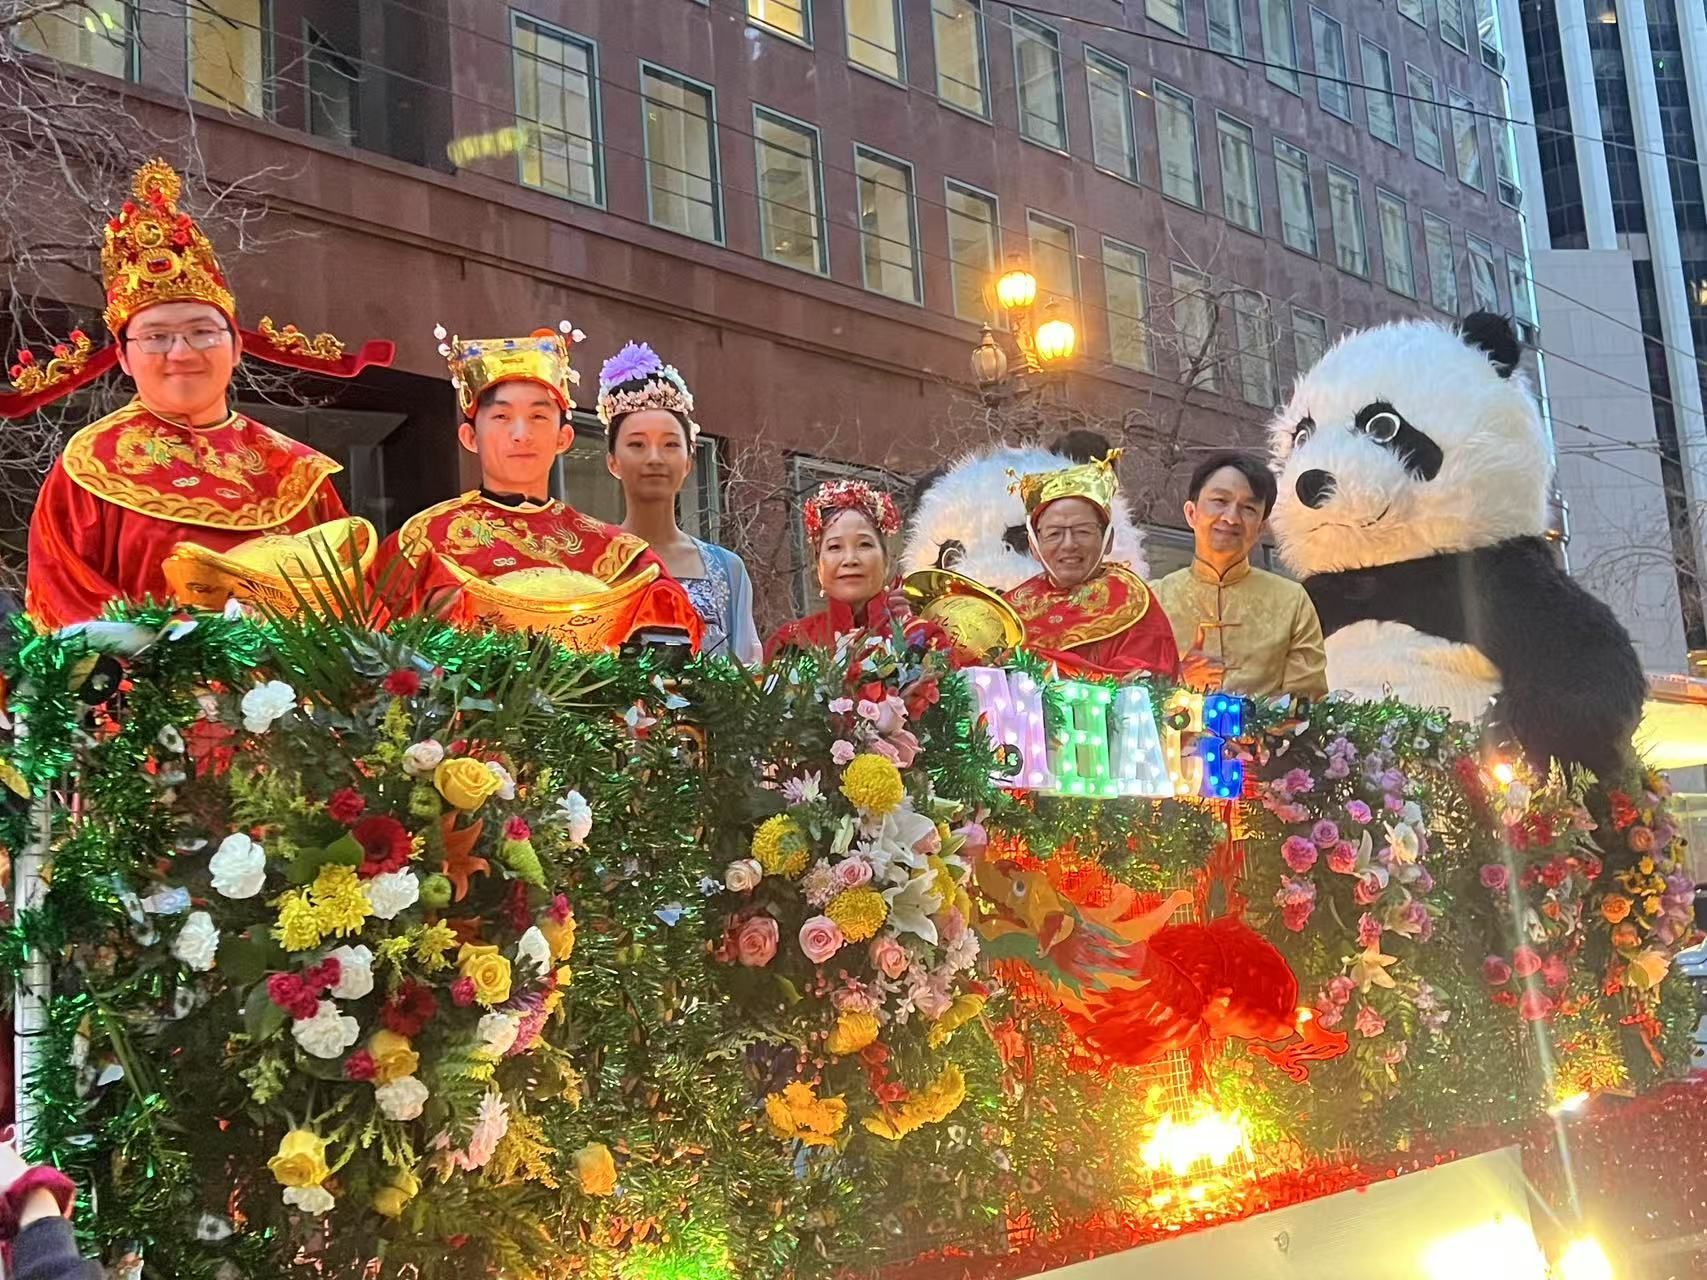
(175, 465)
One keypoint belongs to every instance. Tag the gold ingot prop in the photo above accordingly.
(578, 610)
(977, 621)
(276, 571)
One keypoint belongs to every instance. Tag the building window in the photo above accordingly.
(1280, 43)
(790, 17)
(1239, 199)
(1037, 71)
(1176, 135)
(1127, 289)
(1505, 165)
(1170, 13)
(1425, 118)
(1396, 264)
(1253, 331)
(1466, 141)
(888, 226)
(973, 249)
(557, 108)
(95, 35)
(681, 154)
(1345, 208)
(1333, 92)
(1194, 327)
(1378, 92)
(1415, 10)
(1309, 339)
(874, 36)
(228, 55)
(1522, 298)
(1054, 260)
(1488, 28)
(1484, 285)
(1442, 264)
(1226, 27)
(791, 192)
(1452, 24)
(1113, 146)
(1297, 205)
(957, 26)
(334, 93)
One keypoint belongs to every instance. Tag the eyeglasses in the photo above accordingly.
(158, 344)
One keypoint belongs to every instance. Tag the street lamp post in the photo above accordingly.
(1043, 349)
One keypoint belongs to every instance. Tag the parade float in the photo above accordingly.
(444, 953)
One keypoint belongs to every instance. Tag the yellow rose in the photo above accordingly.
(489, 971)
(393, 1057)
(853, 1031)
(301, 1161)
(465, 782)
(389, 1201)
(596, 1169)
(559, 937)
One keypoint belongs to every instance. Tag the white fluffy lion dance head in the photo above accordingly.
(967, 518)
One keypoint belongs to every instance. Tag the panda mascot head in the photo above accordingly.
(967, 518)
(1413, 470)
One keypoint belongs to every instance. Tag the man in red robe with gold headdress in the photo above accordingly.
(177, 464)
(1089, 614)
(509, 552)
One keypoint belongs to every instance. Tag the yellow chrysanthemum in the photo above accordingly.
(858, 913)
(780, 847)
(340, 905)
(943, 885)
(298, 928)
(433, 944)
(931, 1105)
(797, 1114)
(853, 1031)
(873, 785)
(963, 1010)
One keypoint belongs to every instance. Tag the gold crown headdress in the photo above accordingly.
(542, 357)
(1095, 482)
(662, 387)
(155, 253)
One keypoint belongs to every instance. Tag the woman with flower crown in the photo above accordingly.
(847, 522)
(650, 438)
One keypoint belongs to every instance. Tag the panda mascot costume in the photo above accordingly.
(1413, 471)
(966, 516)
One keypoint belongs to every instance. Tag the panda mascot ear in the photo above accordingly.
(1494, 336)
(923, 484)
(1082, 445)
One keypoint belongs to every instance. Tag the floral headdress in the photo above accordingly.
(835, 496)
(664, 388)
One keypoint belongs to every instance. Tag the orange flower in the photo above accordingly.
(1614, 906)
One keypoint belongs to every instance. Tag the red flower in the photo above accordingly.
(1623, 810)
(517, 906)
(1496, 971)
(385, 844)
(346, 805)
(1526, 962)
(404, 684)
(26, 357)
(291, 994)
(890, 1092)
(323, 976)
(559, 909)
(1535, 1006)
(208, 743)
(517, 829)
(462, 992)
(922, 694)
(360, 1066)
(411, 1009)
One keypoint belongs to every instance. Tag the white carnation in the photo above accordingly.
(355, 971)
(393, 892)
(423, 757)
(578, 814)
(506, 783)
(314, 1200)
(197, 942)
(402, 1099)
(239, 867)
(532, 948)
(266, 703)
(743, 875)
(497, 1032)
(328, 1033)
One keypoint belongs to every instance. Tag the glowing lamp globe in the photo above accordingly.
(989, 361)
(1017, 289)
(1056, 340)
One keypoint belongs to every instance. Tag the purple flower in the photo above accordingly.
(1392, 780)
(1416, 922)
(1294, 893)
(1424, 883)
(1368, 931)
(1329, 1014)
(1392, 802)
(1342, 858)
(1325, 834)
(1340, 989)
(1359, 812)
(1495, 971)
(1337, 768)
(1495, 877)
(636, 360)
(1369, 1022)
(1297, 782)
(1299, 853)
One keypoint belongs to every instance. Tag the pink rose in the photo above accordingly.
(1295, 915)
(867, 709)
(1369, 888)
(1292, 813)
(1496, 971)
(1342, 858)
(1369, 1022)
(889, 957)
(1536, 1006)
(1640, 840)
(1357, 811)
(855, 873)
(820, 938)
(842, 751)
(1325, 834)
(1495, 877)
(901, 747)
(755, 942)
(1329, 1014)
(1554, 973)
(1340, 989)
(891, 716)
(1299, 853)
(1525, 962)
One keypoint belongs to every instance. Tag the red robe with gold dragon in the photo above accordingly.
(1109, 625)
